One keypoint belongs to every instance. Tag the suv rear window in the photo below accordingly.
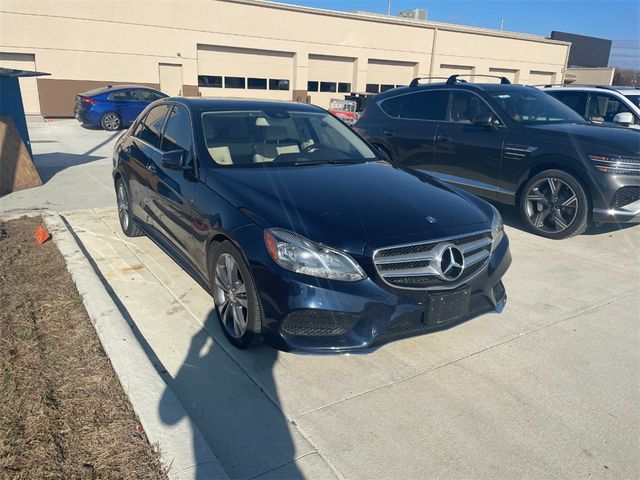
(426, 105)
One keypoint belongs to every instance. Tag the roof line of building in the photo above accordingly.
(380, 18)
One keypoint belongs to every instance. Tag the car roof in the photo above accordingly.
(623, 90)
(114, 88)
(201, 103)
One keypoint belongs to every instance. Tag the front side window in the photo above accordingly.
(425, 105)
(604, 107)
(528, 105)
(466, 106)
(150, 127)
(280, 137)
(177, 133)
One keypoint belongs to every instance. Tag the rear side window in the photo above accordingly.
(426, 105)
(576, 101)
(121, 95)
(150, 127)
(177, 133)
(392, 106)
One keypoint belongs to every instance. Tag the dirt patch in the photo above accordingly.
(63, 413)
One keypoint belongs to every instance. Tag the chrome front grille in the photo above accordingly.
(420, 266)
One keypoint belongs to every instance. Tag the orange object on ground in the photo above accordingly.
(42, 235)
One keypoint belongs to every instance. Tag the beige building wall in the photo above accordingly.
(88, 43)
(590, 76)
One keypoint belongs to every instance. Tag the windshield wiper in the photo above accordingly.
(321, 162)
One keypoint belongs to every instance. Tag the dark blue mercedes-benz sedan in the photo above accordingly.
(306, 237)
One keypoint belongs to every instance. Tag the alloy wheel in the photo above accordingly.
(111, 121)
(551, 205)
(123, 206)
(231, 296)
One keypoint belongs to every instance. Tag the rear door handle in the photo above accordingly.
(152, 169)
(389, 133)
(443, 138)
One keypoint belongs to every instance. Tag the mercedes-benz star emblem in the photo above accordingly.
(451, 263)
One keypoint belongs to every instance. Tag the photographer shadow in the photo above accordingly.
(244, 427)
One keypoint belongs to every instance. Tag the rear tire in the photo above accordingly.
(111, 122)
(235, 297)
(553, 204)
(125, 216)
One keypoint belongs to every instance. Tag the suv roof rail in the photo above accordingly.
(454, 78)
(589, 85)
(416, 81)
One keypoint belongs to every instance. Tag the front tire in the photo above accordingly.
(235, 297)
(111, 122)
(553, 204)
(125, 216)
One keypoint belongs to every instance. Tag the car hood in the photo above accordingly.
(354, 207)
(615, 139)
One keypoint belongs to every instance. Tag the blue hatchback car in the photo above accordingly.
(113, 107)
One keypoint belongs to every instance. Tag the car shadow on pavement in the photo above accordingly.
(50, 164)
(244, 427)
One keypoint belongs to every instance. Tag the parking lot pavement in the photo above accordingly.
(74, 164)
(548, 389)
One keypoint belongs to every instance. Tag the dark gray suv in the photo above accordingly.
(512, 144)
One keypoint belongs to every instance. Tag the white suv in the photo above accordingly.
(601, 104)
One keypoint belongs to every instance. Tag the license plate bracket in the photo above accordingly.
(447, 307)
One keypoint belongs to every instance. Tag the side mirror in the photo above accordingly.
(623, 118)
(485, 120)
(173, 160)
(382, 152)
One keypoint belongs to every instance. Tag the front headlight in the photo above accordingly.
(298, 254)
(497, 228)
(617, 164)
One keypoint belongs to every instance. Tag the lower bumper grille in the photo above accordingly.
(314, 323)
(625, 196)
(422, 266)
(417, 322)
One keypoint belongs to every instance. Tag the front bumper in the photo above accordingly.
(316, 315)
(616, 198)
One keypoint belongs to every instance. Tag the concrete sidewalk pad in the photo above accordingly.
(549, 388)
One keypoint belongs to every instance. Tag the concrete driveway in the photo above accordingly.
(548, 389)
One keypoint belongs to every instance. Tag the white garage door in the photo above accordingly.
(389, 72)
(541, 78)
(512, 75)
(28, 85)
(447, 70)
(244, 72)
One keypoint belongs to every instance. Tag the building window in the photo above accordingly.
(278, 84)
(328, 86)
(209, 81)
(312, 86)
(257, 83)
(373, 88)
(234, 82)
(384, 87)
(344, 87)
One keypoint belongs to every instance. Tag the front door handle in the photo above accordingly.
(389, 133)
(152, 169)
(443, 138)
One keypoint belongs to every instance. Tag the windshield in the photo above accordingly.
(279, 136)
(635, 99)
(532, 106)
